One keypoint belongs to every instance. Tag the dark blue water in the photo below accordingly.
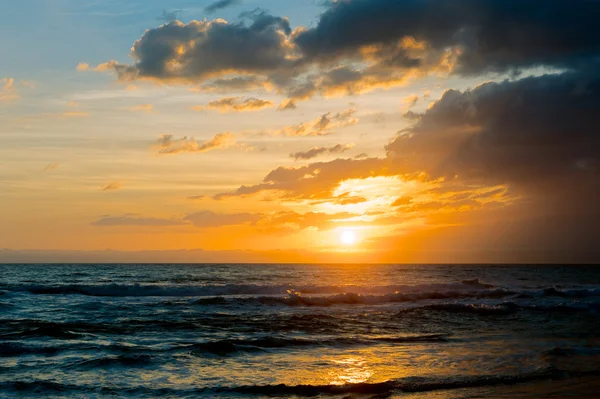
(178, 331)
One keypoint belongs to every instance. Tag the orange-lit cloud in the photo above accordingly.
(324, 125)
(112, 186)
(235, 104)
(136, 221)
(316, 151)
(51, 166)
(142, 108)
(8, 91)
(167, 144)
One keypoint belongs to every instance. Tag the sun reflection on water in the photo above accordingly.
(355, 370)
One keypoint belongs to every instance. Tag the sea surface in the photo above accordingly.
(377, 331)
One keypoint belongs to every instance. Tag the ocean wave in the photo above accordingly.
(112, 361)
(50, 331)
(226, 347)
(295, 298)
(290, 295)
(408, 385)
(505, 308)
(135, 290)
(133, 354)
(16, 349)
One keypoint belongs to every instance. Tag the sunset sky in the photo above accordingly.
(422, 131)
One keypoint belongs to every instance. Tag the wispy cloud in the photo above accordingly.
(409, 102)
(8, 91)
(324, 125)
(221, 4)
(167, 144)
(136, 221)
(103, 67)
(51, 166)
(74, 114)
(112, 186)
(142, 108)
(206, 219)
(168, 16)
(235, 104)
(287, 105)
(316, 151)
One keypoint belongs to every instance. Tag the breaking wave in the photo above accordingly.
(408, 384)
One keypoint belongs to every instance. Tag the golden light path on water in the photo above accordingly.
(355, 371)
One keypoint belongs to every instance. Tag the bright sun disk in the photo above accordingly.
(348, 237)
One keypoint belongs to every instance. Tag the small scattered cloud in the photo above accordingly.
(324, 125)
(167, 144)
(403, 201)
(206, 219)
(316, 151)
(142, 108)
(136, 221)
(235, 104)
(409, 102)
(103, 67)
(74, 114)
(238, 83)
(196, 197)
(287, 105)
(221, 4)
(8, 91)
(112, 186)
(169, 16)
(348, 199)
(51, 166)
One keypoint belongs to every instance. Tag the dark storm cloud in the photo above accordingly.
(361, 45)
(492, 34)
(201, 49)
(540, 135)
(221, 4)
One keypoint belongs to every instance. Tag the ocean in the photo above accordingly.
(278, 330)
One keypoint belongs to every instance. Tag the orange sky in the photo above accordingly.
(272, 135)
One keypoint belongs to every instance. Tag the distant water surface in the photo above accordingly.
(183, 331)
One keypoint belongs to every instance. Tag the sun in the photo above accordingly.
(348, 237)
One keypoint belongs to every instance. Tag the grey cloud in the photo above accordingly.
(167, 144)
(533, 134)
(221, 4)
(112, 186)
(361, 45)
(239, 83)
(316, 180)
(207, 219)
(202, 49)
(492, 34)
(316, 151)
(287, 105)
(136, 221)
(324, 125)
(168, 16)
(236, 104)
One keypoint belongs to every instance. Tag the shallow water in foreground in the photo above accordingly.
(178, 331)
